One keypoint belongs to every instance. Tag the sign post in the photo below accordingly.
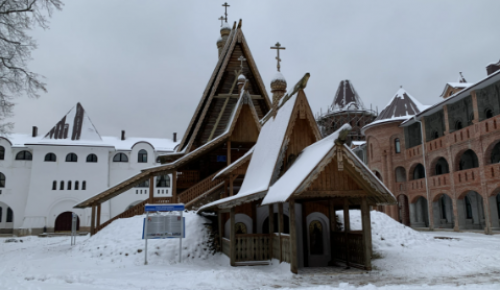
(74, 221)
(163, 227)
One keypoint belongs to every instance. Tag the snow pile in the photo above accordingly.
(122, 240)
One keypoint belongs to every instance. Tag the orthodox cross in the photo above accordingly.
(278, 47)
(221, 19)
(225, 6)
(241, 59)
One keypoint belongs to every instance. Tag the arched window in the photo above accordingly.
(69, 185)
(120, 157)
(495, 154)
(1, 214)
(158, 160)
(458, 125)
(71, 157)
(77, 185)
(24, 155)
(144, 183)
(470, 119)
(468, 160)
(418, 172)
(54, 185)
(61, 185)
(2, 180)
(397, 145)
(2, 153)
(240, 228)
(10, 215)
(488, 113)
(442, 166)
(286, 224)
(92, 158)
(142, 156)
(400, 174)
(163, 181)
(50, 157)
(84, 185)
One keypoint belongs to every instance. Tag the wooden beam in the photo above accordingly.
(98, 215)
(333, 229)
(92, 221)
(232, 255)
(293, 237)
(367, 241)
(218, 119)
(228, 157)
(231, 179)
(236, 96)
(271, 230)
(347, 229)
(151, 188)
(280, 227)
(174, 187)
(330, 193)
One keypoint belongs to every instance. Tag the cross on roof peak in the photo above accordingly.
(221, 20)
(278, 47)
(225, 6)
(241, 59)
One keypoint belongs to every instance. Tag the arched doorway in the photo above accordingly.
(468, 160)
(6, 219)
(443, 212)
(419, 213)
(471, 211)
(318, 240)
(418, 172)
(403, 210)
(495, 210)
(286, 224)
(63, 222)
(441, 167)
(400, 174)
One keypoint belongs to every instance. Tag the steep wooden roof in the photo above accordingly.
(212, 114)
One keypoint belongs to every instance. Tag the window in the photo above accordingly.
(443, 207)
(92, 158)
(50, 157)
(10, 215)
(77, 185)
(489, 113)
(2, 153)
(71, 157)
(54, 185)
(468, 207)
(158, 160)
(120, 157)
(418, 172)
(498, 205)
(2, 180)
(24, 155)
(144, 183)
(458, 125)
(397, 145)
(163, 181)
(468, 160)
(0, 214)
(69, 185)
(441, 166)
(84, 185)
(142, 157)
(61, 185)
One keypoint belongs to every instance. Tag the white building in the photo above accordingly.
(43, 177)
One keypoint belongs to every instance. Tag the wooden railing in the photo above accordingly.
(253, 247)
(197, 190)
(226, 247)
(285, 248)
(276, 247)
(188, 178)
(350, 249)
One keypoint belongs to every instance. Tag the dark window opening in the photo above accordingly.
(488, 114)
(92, 158)
(458, 125)
(2, 153)
(397, 145)
(163, 181)
(468, 208)
(61, 185)
(442, 166)
(84, 185)
(142, 157)
(2, 180)
(77, 185)
(69, 185)
(71, 157)
(54, 185)
(468, 160)
(10, 215)
(144, 183)
(495, 154)
(120, 157)
(418, 172)
(286, 224)
(24, 155)
(50, 157)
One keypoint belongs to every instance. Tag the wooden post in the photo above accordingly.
(228, 157)
(254, 217)
(221, 230)
(293, 237)
(271, 231)
(280, 227)
(333, 229)
(347, 229)
(232, 255)
(174, 187)
(367, 234)
(92, 221)
(151, 189)
(226, 184)
(98, 215)
(231, 185)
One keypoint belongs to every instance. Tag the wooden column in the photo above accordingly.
(254, 217)
(367, 233)
(92, 221)
(293, 238)
(232, 255)
(226, 184)
(151, 189)
(280, 227)
(333, 229)
(271, 231)
(98, 215)
(231, 185)
(174, 187)
(228, 157)
(347, 229)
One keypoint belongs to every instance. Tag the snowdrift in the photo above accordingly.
(122, 240)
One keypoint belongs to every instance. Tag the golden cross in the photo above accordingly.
(241, 59)
(278, 47)
(221, 19)
(225, 6)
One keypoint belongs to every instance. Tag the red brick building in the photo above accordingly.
(452, 178)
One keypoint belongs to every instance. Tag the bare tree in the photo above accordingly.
(16, 18)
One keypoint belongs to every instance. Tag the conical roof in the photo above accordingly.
(75, 125)
(346, 98)
(401, 107)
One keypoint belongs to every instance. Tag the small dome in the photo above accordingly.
(220, 42)
(225, 29)
(241, 78)
(278, 83)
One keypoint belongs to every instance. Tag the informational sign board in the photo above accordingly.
(163, 227)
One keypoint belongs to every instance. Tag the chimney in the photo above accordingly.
(175, 136)
(491, 68)
(123, 135)
(34, 132)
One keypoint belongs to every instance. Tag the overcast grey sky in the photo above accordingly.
(142, 66)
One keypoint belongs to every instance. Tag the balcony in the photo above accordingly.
(466, 177)
(415, 151)
(400, 187)
(436, 144)
(490, 125)
(492, 173)
(439, 181)
(461, 135)
(416, 186)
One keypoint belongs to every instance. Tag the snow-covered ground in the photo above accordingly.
(114, 259)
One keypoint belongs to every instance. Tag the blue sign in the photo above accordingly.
(163, 207)
(221, 158)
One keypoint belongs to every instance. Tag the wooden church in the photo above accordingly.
(264, 170)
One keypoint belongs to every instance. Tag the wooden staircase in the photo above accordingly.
(189, 197)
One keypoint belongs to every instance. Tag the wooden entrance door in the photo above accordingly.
(318, 240)
(63, 222)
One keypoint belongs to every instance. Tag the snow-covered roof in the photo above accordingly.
(401, 107)
(236, 163)
(358, 143)
(75, 125)
(278, 77)
(346, 98)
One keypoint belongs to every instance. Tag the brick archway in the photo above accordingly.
(493, 150)
(403, 209)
